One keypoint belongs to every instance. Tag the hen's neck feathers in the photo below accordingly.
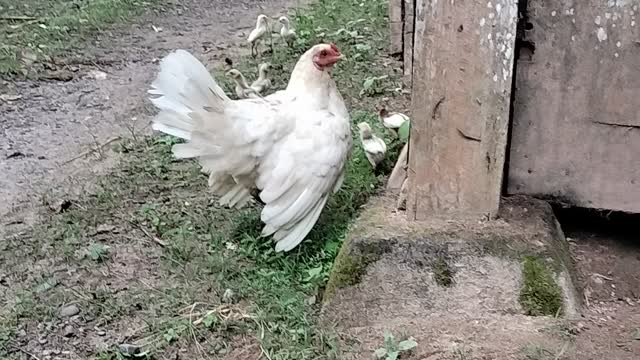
(310, 82)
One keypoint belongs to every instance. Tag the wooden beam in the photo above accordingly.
(407, 40)
(395, 26)
(462, 75)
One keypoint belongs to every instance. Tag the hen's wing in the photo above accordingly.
(300, 173)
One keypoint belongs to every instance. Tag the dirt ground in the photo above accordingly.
(54, 122)
(49, 131)
(607, 254)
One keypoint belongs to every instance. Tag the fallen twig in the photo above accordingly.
(562, 351)
(15, 347)
(90, 151)
(602, 276)
(153, 238)
(17, 18)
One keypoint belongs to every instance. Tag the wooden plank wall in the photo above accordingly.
(462, 77)
(576, 125)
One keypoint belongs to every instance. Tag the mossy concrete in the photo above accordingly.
(436, 276)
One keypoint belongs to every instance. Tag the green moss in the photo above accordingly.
(442, 273)
(350, 265)
(540, 294)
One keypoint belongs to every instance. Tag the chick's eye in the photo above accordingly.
(323, 53)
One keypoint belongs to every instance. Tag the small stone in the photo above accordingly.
(227, 297)
(101, 333)
(42, 341)
(129, 349)
(69, 311)
(69, 331)
(104, 228)
(628, 301)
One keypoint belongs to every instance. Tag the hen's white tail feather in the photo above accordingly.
(190, 99)
(287, 239)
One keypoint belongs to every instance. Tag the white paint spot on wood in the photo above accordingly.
(553, 13)
(491, 15)
(482, 22)
(607, 16)
(489, 5)
(509, 36)
(633, 23)
(618, 44)
(489, 36)
(602, 34)
(495, 77)
(508, 52)
(613, 25)
(498, 8)
(598, 20)
(616, 54)
(573, 38)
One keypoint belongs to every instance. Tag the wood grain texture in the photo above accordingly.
(396, 24)
(462, 73)
(408, 39)
(576, 130)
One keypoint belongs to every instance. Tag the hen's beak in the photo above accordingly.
(335, 58)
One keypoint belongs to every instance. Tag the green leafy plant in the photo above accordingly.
(98, 252)
(403, 131)
(391, 349)
(372, 85)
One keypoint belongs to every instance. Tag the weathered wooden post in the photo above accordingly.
(395, 26)
(462, 75)
(408, 39)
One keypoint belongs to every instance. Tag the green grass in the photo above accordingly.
(188, 251)
(540, 294)
(35, 30)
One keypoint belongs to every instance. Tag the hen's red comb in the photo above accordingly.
(334, 48)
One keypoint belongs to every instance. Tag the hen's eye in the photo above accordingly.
(323, 53)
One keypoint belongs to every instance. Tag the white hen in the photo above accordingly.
(292, 146)
(374, 147)
(256, 35)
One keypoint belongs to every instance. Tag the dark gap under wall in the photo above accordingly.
(523, 48)
(622, 226)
